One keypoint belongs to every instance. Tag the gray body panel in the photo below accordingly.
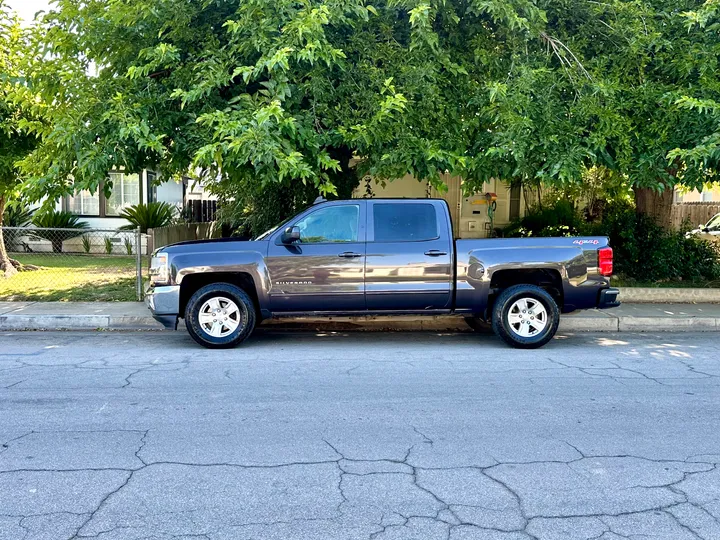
(431, 275)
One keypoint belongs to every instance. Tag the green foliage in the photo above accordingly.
(148, 216)
(128, 246)
(15, 143)
(108, 245)
(644, 251)
(86, 243)
(58, 226)
(59, 219)
(258, 93)
(558, 219)
(16, 215)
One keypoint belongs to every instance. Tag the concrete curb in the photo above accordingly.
(677, 295)
(133, 316)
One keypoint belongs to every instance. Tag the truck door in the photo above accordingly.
(409, 264)
(325, 269)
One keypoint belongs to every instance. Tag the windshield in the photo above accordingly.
(714, 223)
(267, 233)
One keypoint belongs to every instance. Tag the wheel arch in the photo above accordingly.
(192, 283)
(548, 279)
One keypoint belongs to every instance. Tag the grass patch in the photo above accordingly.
(72, 277)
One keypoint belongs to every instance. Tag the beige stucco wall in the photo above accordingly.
(711, 195)
(469, 213)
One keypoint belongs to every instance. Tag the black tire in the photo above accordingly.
(246, 310)
(508, 333)
(479, 325)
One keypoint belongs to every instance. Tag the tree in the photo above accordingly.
(15, 143)
(645, 58)
(703, 159)
(260, 94)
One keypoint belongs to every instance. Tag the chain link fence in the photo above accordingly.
(74, 264)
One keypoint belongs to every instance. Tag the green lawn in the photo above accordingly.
(73, 277)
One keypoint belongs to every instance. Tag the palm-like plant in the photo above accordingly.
(148, 216)
(58, 220)
(15, 215)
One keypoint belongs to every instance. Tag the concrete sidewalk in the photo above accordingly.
(135, 316)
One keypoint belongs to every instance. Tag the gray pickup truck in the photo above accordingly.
(378, 257)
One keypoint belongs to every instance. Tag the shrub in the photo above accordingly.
(108, 245)
(128, 246)
(86, 244)
(148, 216)
(645, 251)
(58, 220)
(558, 219)
(15, 215)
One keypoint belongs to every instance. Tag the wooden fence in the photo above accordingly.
(698, 213)
(164, 236)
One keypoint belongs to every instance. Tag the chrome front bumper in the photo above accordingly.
(164, 304)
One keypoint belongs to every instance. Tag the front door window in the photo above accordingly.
(335, 224)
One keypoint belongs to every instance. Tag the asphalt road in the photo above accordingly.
(385, 436)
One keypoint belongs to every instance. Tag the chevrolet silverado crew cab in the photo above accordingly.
(377, 257)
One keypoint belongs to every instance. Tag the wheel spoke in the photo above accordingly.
(231, 324)
(205, 317)
(514, 318)
(537, 326)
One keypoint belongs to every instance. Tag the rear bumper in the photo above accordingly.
(608, 298)
(164, 304)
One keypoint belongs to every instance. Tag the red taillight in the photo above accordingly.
(605, 261)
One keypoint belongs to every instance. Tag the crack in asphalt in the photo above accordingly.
(438, 508)
(445, 513)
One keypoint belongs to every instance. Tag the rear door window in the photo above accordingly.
(406, 222)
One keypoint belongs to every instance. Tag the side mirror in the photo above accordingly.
(290, 235)
(705, 229)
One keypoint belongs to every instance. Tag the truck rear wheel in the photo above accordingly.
(220, 316)
(525, 316)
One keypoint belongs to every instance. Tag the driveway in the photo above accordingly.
(358, 436)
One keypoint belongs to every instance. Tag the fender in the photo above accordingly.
(250, 262)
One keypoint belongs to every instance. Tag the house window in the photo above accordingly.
(84, 203)
(125, 193)
(151, 187)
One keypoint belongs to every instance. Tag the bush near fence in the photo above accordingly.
(695, 213)
(163, 236)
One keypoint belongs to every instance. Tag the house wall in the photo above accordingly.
(707, 195)
(469, 212)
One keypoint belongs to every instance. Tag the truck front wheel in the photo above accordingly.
(525, 316)
(220, 316)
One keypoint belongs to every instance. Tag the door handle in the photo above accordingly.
(435, 253)
(349, 255)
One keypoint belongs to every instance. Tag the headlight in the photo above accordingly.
(159, 272)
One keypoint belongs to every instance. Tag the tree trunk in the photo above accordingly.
(5, 263)
(655, 205)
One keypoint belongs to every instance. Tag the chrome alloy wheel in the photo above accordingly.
(219, 317)
(527, 317)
